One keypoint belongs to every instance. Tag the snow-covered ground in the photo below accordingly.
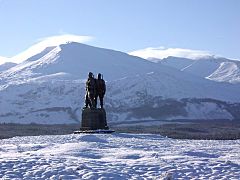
(117, 156)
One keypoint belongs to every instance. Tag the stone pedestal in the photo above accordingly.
(93, 119)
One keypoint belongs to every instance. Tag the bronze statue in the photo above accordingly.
(90, 91)
(100, 90)
(94, 120)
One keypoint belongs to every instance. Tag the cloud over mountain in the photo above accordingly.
(162, 52)
(3, 60)
(48, 42)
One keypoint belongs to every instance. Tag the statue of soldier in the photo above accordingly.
(100, 90)
(90, 91)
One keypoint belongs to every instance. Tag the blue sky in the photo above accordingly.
(125, 25)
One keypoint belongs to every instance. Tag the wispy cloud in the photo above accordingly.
(61, 39)
(3, 60)
(162, 52)
(47, 42)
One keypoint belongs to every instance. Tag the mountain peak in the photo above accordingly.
(52, 41)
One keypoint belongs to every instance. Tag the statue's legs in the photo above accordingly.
(92, 101)
(95, 101)
(87, 103)
(101, 100)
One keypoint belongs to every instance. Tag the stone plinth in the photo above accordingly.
(93, 119)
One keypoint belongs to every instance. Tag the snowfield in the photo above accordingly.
(117, 156)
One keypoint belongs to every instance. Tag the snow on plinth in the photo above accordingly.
(100, 131)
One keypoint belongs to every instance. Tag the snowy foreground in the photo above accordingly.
(117, 156)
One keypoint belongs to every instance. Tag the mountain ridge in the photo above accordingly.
(208, 67)
(49, 88)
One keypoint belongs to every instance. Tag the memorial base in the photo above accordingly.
(93, 119)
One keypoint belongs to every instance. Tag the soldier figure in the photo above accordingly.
(90, 91)
(100, 90)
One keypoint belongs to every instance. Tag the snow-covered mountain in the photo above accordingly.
(49, 88)
(228, 71)
(213, 68)
(77, 60)
(6, 66)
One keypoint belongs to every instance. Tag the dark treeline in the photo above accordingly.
(197, 129)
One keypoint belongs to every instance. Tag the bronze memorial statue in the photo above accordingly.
(100, 90)
(94, 88)
(93, 118)
(90, 91)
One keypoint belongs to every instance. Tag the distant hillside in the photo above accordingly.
(6, 66)
(216, 69)
(49, 88)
